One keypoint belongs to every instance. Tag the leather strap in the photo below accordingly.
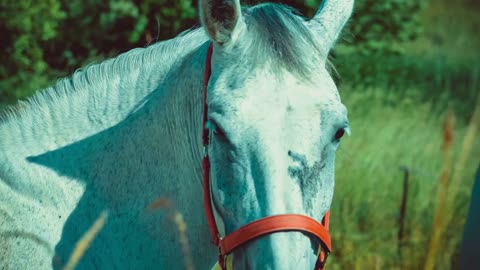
(207, 201)
(273, 224)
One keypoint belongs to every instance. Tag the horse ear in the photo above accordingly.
(331, 17)
(220, 18)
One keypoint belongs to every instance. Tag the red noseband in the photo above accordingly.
(258, 228)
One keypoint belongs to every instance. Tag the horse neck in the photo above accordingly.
(94, 98)
(153, 152)
(153, 139)
(165, 134)
(180, 115)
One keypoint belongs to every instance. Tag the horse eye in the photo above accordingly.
(339, 134)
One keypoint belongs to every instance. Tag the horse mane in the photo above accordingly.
(94, 83)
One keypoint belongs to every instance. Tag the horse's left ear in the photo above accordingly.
(220, 18)
(331, 17)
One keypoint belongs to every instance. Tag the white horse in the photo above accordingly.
(122, 133)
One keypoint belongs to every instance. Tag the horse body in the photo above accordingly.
(119, 135)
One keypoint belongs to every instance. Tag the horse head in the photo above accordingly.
(276, 120)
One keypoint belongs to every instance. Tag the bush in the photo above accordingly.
(110, 27)
(45, 40)
(26, 28)
(378, 24)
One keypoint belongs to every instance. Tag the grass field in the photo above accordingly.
(393, 130)
(388, 135)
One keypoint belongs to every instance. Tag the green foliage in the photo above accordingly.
(432, 76)
(47, 39)
(377, 24)
(374, 52)
(107, 28)
(389, 49)
(26, 28)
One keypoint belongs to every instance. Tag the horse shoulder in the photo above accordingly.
(30, 222)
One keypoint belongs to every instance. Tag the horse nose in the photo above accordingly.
(278, 251)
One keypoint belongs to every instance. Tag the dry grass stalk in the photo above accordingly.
(181, 227)
(83, 244)
(446, 200)
(438, 224)
(182, 231)
(467, 147)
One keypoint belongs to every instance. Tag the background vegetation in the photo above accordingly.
(403, 64)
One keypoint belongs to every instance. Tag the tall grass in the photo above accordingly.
(389, 133)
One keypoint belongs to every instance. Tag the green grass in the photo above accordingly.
(388, 133)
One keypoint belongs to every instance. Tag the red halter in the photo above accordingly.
(258, 228)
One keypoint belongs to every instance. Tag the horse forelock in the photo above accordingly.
(277, 34)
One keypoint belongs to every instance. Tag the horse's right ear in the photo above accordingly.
(220, 18)
(331, 17)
